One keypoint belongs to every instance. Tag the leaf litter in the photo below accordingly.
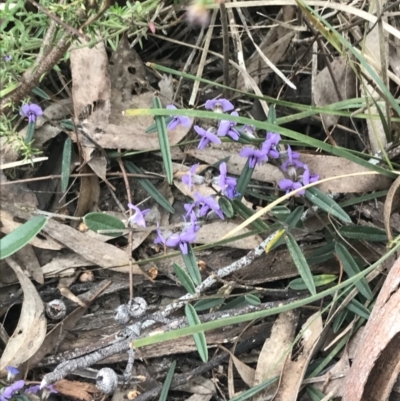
(238, 276)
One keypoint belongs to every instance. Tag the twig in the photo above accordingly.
(67, 27)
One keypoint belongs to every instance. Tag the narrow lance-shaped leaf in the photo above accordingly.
(301, 263)
(96, 221)
(191, 265)
(199, 338)
(66, 164)
(244, 179)
(184, 279)
(164, 141)
(167, 383)
(351, 268)
(148, 186)
(326, 204)
(298, 284)
(363, 233)
(21, 236)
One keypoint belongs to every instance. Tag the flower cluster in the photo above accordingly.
(296, 173)
(6, 393)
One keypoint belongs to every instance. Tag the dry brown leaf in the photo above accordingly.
(295, 369)
(376, 364)
(246, 372)
(29, 260)
(211, 232)
(56, 335)
(271, 358)
(325, 166)
(100, 254)
(30, 332)
(324, 92)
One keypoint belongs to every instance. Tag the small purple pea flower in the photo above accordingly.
(139, 215)
(307, 177)
(176, 120)
(227, 184)
(292, 160)
(206, 137)
(272, 142)
(46, 390)
(226, 128)
(191, 177)
(11, 373)
(288, 185)
(248, 130)
(8, 58)
(32, 111)
(219, 105)
(255, 156)
(207, 203)
(8, 392)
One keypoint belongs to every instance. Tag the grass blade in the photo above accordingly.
(167, 383)
(66, 164)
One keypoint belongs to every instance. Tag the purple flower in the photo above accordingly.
(176, 120)
(271, 143)
(248, 130)
(138, 216)
(226, 128)
(227, 184)
(219, 105)
(292, 160)
(31, 111)
(191, 177)
(48, 388)
(182, 239)
(8, 58)
(8, 392)
(207, 137)
(206, 203)
(307, 177)
(288, 185)
(12, 372)
(255, 156)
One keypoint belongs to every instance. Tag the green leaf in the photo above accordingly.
(246, 212)
(300, 261)
(314, 393)
(241, 301)
(164, 141)
(167, 383)
(294, 218)
(68, 125)
(271, 114)
(226, 207)
(244, 179)
(206, 304)
(30, 131)
(298, 284)
(66, 164)
(148, 186)
(358, 308)
(184, 279)
(366, 233)
(280, 212)
(21, 236)
(191, 265)
(322, 254)
(351, 268)
(251, 392)
(326, 204)
(199, 338)
(39, 92)
(101, 221)
(339, 319)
